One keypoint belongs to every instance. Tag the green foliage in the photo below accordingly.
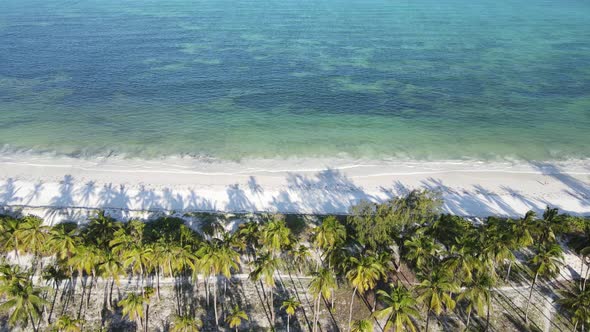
(379, 224)
(185, 323)
(435, 291)
(330, 234)
(363, 325)
(22, 300)
(457, 262)
(400, 308)
(449, 229)
(364, 273)
(323, 284)
(290, 306)
(236, 317)
(576, 303)
(66, 323)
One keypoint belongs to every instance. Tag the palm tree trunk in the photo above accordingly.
(16, 251)
(528, 301)
(147, 316)
(581, 273)
(299, 298)
(138, 324)
(215, 302)
(316, 316)
(427, 320)
(350, 311)
(111, 293)
(207, 289)
(32, 321)
(53, 303)
(158, 282)
(585, 278)
(288, 321)
(488, 317)
(468, 319)
(271, 306)
(83, 284)
(508, 273)
(89, 293)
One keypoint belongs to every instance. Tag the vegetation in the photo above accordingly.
(401, 264)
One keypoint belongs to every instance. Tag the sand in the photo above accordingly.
(46, 183)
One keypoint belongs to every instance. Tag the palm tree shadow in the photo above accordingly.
(516, 322)
(576, 188)
(254, 187)
(36, 193)
(61, 203)
(238, 201)
(8, 192)
(148, 199)
(495, 199)
(454, 201)
(328, 191)
(116, 199)
(87, 192)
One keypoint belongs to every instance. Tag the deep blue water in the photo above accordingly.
(231, 79)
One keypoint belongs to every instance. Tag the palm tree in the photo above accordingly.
(499, 244)
(477, 294)
(275, 236)
(363, 274)
(22, 301)
(329, 234)
(63, 240)
(33, 236)
(54, 274)
(217, 258)
(577, 303)
(148, 292)
(460, 261)
(164, 261)
(301, 257)
(321, 286)
(250, 233)
(236, 317)
(520, 231)
(101, 229)
(363, 325)
(12, 274)
(265, 267)
(290, 306)
(110, 269)
(435, 292)
(67, 324)
(544, 264)
(140, 259)
(84, 261)
(186, 323)
(399, 308)
(422, 250)
(11, 236)
(547, 228)
(132, 307)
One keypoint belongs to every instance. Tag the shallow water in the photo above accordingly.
(233, 79)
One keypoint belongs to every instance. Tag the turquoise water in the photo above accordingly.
(412, 79)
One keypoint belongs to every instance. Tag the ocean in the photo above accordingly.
(370, 79)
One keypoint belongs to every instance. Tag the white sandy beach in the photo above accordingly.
(46, 185)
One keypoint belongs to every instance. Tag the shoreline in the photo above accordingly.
(302, 186)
